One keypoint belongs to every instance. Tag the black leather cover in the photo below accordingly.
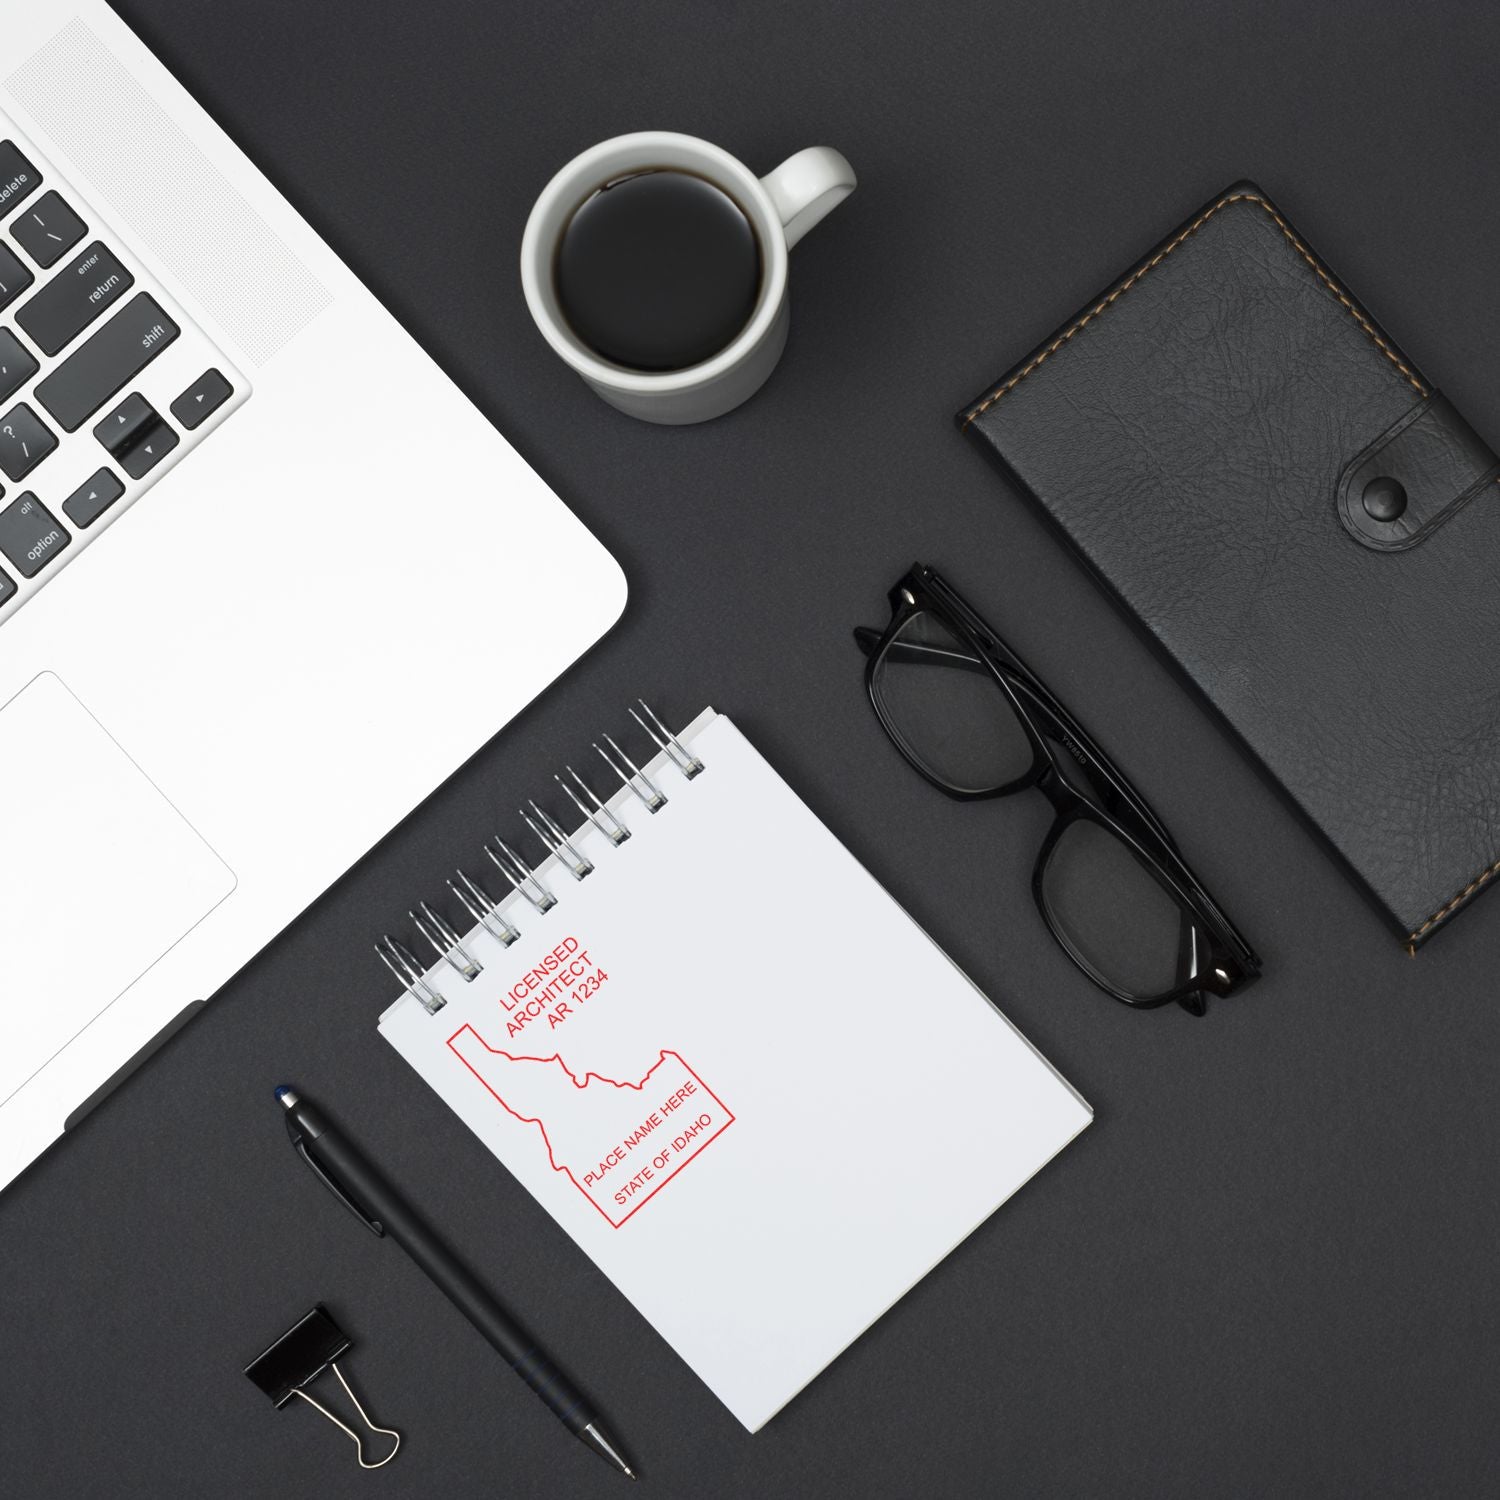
(1203, 433)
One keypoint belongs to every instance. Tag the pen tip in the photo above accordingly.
(285, 1096)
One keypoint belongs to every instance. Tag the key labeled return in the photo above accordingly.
(135, 436)
(78, 294)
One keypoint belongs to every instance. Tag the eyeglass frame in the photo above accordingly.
(1231, 962)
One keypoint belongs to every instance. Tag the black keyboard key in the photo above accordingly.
(77, 295)
(135, 436)
(29, 536)
(123, 427)
(201, 399)
(25, 440)
(92, 498)
(14, 277)
(116, 353)
(7, 587)
(18, 178)
(48, 230)
(146, 454)
(16, 365)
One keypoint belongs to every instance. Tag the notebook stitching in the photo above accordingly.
(1161, 255)
(1451, 906)
(1479, 881)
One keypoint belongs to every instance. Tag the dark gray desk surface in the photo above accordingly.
(1269, 1267)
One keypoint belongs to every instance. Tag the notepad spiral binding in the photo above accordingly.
(484, 909)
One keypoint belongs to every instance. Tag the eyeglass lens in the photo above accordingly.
(950, 712)
(1103, 900)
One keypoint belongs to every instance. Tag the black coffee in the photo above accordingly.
(658, 270)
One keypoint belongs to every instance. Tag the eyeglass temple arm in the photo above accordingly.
(869, 639)
(914, 653)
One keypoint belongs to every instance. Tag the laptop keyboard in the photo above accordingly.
(105, 383)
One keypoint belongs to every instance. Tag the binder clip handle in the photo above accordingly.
(312, 1345)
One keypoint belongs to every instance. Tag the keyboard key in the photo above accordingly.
(18, 178)
(29, 536)
(92, 498)
(116, 353)
(7, 587)
(48, 230)
(77, 295)
(25, 440)
(135, 436)
(201, 399)
(16, 365)
(14, 277)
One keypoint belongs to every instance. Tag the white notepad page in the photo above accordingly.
(739, 1075)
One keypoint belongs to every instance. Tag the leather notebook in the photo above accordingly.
(1310, 531)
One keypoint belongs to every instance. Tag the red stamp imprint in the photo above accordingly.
(620, 1142)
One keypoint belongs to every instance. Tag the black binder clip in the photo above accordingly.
(312, 1345)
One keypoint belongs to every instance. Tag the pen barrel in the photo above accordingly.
(554, 1388)
(454, 1279)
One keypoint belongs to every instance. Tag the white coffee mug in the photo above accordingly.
(781, 207)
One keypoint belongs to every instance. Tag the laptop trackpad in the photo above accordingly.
(99, 875)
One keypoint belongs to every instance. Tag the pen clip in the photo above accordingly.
(373, 1225)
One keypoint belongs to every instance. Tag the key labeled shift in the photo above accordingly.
(135, 436)
(25, 440)
(102, 365)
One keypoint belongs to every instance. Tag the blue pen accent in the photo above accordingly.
(283, 1089)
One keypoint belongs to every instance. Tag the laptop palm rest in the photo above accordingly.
(86, 839)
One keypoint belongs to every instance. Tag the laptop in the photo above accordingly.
(266, 576)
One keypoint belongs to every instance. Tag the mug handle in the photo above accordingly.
(807, 187)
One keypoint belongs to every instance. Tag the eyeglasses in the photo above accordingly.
(976, 722)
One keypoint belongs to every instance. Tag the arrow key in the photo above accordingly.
(205, 395)
(135, 436)
(91, 499)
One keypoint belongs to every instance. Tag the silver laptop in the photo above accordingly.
(266, 577)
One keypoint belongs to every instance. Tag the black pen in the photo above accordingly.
(364, 1191)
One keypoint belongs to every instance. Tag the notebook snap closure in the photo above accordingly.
(1384, 498)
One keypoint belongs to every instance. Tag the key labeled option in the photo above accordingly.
(16, 365)
(18, 178)
(14, 277)
(29, 536)
(48, 230)
(99, 367)
(25, 440)
(201, 399)
(135, 436)
(91, 499)
(78, 294)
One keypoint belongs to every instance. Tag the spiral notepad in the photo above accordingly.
(722, 1057)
